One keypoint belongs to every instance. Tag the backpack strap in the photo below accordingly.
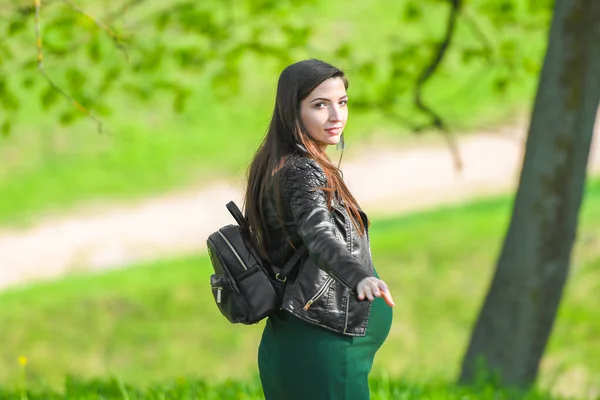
(291, 263)
(237, 214)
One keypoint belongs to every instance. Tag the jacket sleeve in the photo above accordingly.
(312, 217)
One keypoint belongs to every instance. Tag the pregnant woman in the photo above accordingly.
(336, 312)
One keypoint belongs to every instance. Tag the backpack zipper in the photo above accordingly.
(235, 253)
(318, 294)
(219, 290)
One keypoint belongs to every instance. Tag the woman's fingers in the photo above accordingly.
(387, 296)
(370, 288)
(369, 292)
(383, 286)
(375, 289)
(360, 289)
(383, 291)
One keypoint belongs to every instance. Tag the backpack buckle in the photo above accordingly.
(279, 279)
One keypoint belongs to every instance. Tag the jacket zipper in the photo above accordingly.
(348, 295)
(369, 245)
(318, 295)
(235, 253)
(347, 308)
(348, 225)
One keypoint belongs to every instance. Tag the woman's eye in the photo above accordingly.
(343, 102)
(320, 105)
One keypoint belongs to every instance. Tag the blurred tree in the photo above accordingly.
(516, 320)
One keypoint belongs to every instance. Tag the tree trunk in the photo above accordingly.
(518, 313)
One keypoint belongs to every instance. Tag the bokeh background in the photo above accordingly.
(103, 270)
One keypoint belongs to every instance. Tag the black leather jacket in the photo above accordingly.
(322, 287)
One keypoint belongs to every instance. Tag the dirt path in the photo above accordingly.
(389, 181)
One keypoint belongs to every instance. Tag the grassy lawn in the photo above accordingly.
(158, 322)
(382, 388)
(46, 167)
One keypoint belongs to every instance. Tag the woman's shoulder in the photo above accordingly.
(298, 172)
(297, 164)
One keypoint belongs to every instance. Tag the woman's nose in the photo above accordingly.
(335, 114)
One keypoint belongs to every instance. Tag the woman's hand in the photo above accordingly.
(372, 287)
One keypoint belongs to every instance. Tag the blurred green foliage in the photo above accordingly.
(143, 49)
(158, 322)
(146, 49)
(191, 98)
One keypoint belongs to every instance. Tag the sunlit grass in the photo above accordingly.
(382, 388)
(158, 321)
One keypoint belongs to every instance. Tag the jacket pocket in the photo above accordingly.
(319, 293)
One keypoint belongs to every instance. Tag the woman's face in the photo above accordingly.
(324, 112)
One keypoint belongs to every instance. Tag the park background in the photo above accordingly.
(103, 268)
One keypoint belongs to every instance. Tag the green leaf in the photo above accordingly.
(110, 77)
(28, 82)
(367, 70)
(297, 36)
(343, 51)
(141, 91)
(179, 101)
(15, 26)
(76, 79)
(501, 84)
(94, 50)
(49, 97)
(412, 12)
(162, 21)
(6, 128)
(469, 55)
(67, 117)
(7, 98)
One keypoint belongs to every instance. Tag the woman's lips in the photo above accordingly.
(334, 131)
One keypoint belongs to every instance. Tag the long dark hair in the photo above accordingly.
(283, 136)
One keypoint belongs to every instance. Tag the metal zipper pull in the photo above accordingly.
(219, 289)
(318, 295)
(307, 306)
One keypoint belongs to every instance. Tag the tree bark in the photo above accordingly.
(516, 319)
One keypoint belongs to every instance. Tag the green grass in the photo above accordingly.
(158, 322)
(382, 388)
(46, 167)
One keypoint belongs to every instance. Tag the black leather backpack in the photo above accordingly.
(245, 287)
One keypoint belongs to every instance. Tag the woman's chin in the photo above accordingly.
(332, 141)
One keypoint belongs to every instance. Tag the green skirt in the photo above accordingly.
(299, 360)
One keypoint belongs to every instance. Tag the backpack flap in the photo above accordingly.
(238, 257)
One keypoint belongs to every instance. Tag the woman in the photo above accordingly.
(333, 317)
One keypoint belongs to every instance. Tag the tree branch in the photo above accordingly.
(123, 9)
(40, 64)
(435, 63)
(101, 25)
(478, 32)
(428, 72)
